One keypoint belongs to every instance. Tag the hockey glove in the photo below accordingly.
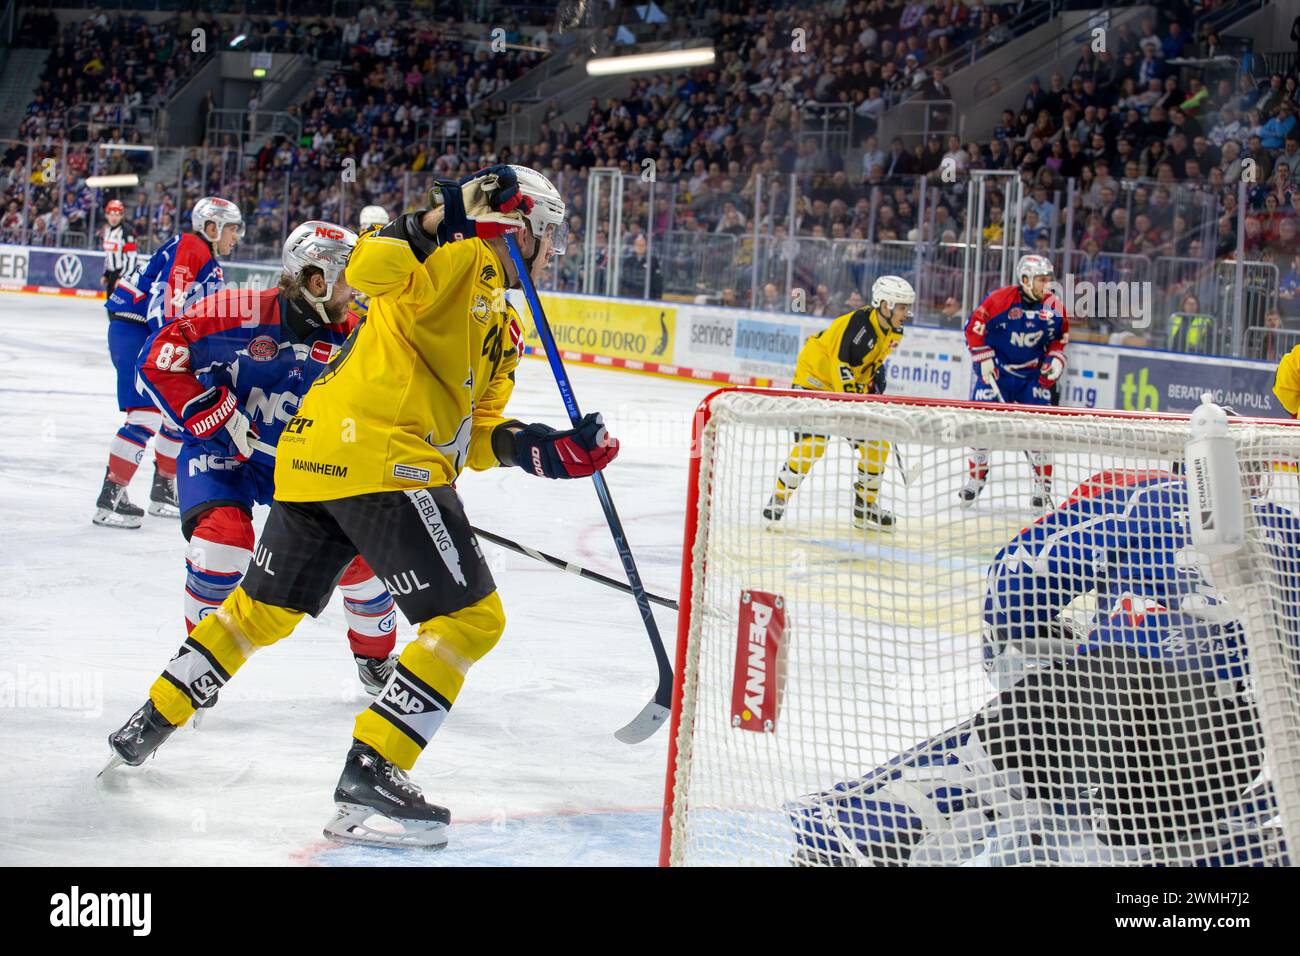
(1050, 372)
(487, 205)
(215, 416)
(988, 372)
(878, 381)
(574, 453)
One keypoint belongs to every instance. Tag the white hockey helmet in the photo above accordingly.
(373, 216)
(548, 207)
(1030, 267)
(323, 245)
(217, 210)
(892, 290)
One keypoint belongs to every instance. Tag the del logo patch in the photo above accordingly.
(1015, 313)
(263, 348)
(323, 351)
(480, 308)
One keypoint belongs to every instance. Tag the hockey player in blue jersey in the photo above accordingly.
(232, 370)
(1017, 338)
(1132, 738)
(182, 271)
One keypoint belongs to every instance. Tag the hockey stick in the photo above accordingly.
(1041, 482)
(903, 469)
(657, 711)
(570, 567)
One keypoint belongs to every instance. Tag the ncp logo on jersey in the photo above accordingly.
(67, 270)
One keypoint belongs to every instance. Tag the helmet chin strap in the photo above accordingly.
(318, 303)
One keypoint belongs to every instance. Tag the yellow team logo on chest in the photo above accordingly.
(480, 309)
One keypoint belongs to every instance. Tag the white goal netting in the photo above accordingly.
(996, 682)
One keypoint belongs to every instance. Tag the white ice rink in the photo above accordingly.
(527, 762)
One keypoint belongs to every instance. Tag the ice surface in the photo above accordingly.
(89, 616)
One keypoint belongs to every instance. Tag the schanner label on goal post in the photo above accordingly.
(755, 691)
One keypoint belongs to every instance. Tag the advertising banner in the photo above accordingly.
(65, 269)
(1163, 382)
(614, 328)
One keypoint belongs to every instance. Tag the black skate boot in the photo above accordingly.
(113, 509)
(867, 514)
(374, 672)
(872, 516)
(775, 509)
(163, 502)
(1042, 496)
(142, 734)
(374, 787)
(971, 491)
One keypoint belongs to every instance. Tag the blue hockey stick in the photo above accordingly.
(655, 713)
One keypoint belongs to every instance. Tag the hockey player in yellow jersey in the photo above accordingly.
(366, 466)
(1286, 382)
(849, 356)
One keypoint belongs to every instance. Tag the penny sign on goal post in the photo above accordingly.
(760, 659)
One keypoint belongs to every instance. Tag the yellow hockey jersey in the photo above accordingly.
(845, 356)
(414, 394)
(1286, 383)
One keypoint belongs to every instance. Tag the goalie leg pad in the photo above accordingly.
(934, 805)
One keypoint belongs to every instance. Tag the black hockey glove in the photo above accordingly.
(540, 449)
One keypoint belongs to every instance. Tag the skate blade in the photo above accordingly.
(111, 519)
(162, 510)
(366, 826)
(113, 761)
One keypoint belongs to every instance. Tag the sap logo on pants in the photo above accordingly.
(408, 582)
(204, 687)
(403, 700)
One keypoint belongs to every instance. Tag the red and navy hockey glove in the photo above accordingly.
(574, 453)
(1050, 372)
(215, 417)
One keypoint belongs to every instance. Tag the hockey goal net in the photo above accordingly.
(1099, 693)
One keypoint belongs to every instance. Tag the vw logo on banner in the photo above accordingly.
(68, 270)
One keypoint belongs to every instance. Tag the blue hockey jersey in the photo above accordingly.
(263, 347)
(179, 274)
(1124, 536)
(1017, 332)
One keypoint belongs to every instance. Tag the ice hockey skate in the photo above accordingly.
(970, 491)
(163, 502)
(113, 509)
(377, 804)
(142, 734)
(774, 510)
(868, 514)
(374, 671)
